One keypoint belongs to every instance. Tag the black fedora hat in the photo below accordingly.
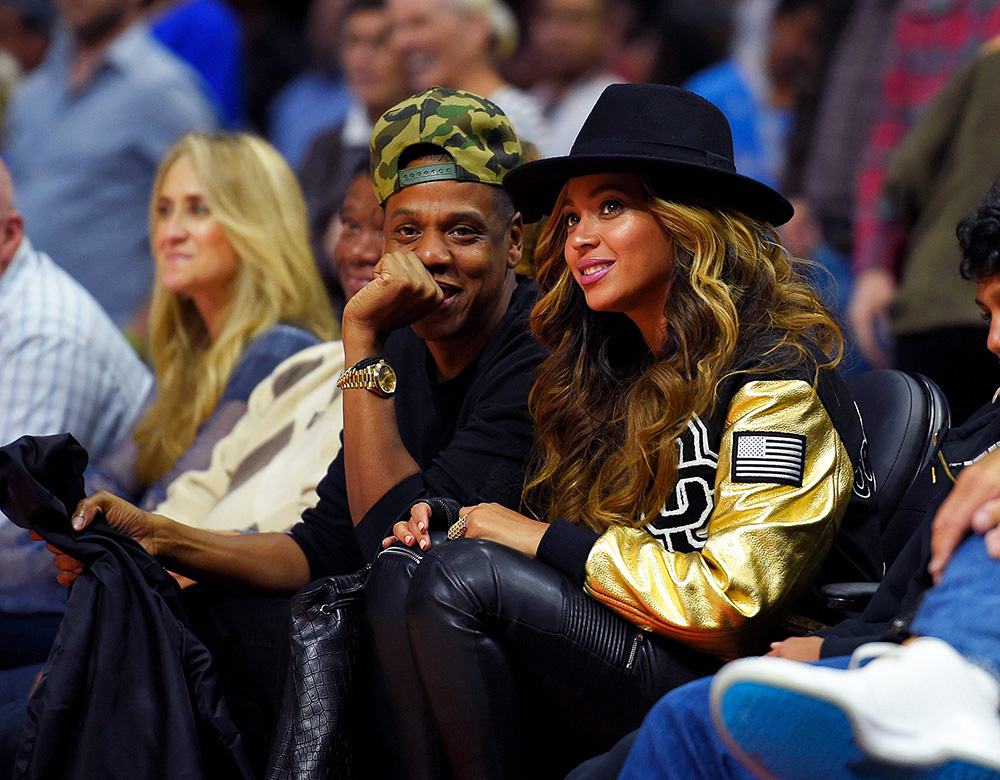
(678, 140)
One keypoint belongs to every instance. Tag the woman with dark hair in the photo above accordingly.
(346, 266)
(699, 464)
(831, 717)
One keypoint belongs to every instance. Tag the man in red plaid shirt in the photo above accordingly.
(932, 40)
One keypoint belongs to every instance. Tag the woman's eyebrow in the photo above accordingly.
(602, 188)
(599, 189)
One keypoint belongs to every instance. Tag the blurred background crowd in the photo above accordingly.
(876, 117)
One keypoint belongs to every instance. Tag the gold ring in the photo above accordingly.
(460, 528)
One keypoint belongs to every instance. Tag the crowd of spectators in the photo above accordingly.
(136, 133)
(817, 101)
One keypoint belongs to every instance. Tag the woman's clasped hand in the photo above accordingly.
(492, 521)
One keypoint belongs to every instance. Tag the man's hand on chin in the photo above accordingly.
(401, 292)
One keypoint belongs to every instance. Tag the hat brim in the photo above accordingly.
(534, 186)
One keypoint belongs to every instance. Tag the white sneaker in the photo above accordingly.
(918, 710)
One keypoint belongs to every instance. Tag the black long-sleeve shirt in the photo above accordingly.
(886, 617)
(470, 436)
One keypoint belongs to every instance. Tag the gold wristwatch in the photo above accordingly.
(370, 374)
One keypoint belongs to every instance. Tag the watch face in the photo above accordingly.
(386, 379)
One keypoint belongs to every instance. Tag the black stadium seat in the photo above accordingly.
(904, 417)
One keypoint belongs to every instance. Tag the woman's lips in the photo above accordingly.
(591, 272)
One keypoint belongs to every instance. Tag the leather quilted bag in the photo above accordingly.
(321, 707)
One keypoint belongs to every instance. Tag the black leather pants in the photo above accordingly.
(505, 665)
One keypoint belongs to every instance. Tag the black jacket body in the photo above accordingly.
(127, 691)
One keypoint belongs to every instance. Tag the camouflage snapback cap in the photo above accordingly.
(474, 132)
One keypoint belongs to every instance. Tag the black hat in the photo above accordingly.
(676, 138)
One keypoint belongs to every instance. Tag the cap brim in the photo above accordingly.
(534, 186)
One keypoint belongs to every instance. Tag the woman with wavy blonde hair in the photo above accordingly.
(236, 292)
(699, 465)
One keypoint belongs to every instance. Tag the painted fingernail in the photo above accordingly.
(408, 539)
(424, 544)
(421, 526)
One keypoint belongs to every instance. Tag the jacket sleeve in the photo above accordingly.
(765, 540)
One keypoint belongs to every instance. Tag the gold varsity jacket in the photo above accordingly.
(774, 496)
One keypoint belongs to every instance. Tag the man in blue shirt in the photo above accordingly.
(760, 114)
(206, 34)
(83, 137)
(318, 98)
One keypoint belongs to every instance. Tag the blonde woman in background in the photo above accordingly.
(236, 292)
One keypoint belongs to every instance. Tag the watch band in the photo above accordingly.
(355, 377)
(365, 374)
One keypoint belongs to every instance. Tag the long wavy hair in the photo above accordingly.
(607, 410)
(250, 189)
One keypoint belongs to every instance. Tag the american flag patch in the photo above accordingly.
(767, 456)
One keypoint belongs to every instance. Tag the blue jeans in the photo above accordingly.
(964, 608)
(677, 740)
(832, 279)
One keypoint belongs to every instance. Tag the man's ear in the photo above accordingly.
(515, 238)
(12, 234)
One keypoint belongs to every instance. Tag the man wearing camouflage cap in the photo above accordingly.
(452, 240)
(435, 399)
